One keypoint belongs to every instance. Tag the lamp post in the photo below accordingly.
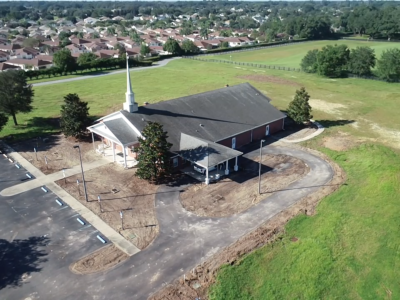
(83, 176)
(259, 168)
(99, 199)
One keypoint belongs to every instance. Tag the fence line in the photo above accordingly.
(271, 67)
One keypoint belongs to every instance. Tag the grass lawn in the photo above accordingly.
(369, 107)
(291, 56)
(348, 250)
(46, 79)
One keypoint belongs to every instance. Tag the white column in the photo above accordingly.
(227, 169)
(94, 146)
(236, 165)
(123, 150)
(113, 146)
(207, 181)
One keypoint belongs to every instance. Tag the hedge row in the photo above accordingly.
(97, 65)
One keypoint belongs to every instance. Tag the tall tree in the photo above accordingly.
(388, 66)
(153, 153)
(144, 50)
(74, 116)
(86, 58)
(15, 94)
(172, 46)
(361, 60)
(3, 120)
(333, 60)
(189, 47)
(299, 109)
(309, 63)
(64, 61)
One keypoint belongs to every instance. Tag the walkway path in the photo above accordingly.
(48, 181)
(158, 64)
(185, 240)
(309, 137)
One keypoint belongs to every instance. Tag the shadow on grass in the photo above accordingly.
(20, 258)
(334, 123)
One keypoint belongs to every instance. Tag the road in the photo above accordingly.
(158, 64)
(184, 240)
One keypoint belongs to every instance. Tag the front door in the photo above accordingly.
(234, 143)
(267, 130)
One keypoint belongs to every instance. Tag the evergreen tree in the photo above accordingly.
(299, 109)
(153, 153)
(74, 116)
(15, 94)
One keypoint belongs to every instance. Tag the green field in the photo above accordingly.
(291, 56)
(348, 250)
(370, 106)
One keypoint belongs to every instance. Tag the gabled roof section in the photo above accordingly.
(213, 116)
(203, 152)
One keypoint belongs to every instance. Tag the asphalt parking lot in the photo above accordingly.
(39, 239)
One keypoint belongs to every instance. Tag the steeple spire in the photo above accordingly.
(129, 105)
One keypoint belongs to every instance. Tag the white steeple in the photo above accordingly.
(129, 105)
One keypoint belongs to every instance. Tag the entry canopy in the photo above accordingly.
(204, 153)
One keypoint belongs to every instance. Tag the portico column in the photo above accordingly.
(227, 169)
(94, 146)
(236, 165)
(113, 148)
(207, 181)
(123, 150)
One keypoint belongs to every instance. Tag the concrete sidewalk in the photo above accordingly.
(48, 180)
(318, 132)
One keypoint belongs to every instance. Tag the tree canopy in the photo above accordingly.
(74, 116)
(361, 60)
(309, 63)
(16, 94)
(153, 153)
(189, 47)
(172, 46)
(64, 60)
(333, 60)
(388, 66)
(144, 49)
(299, 109)
(86, 58)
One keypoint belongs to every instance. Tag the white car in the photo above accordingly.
(203, 170)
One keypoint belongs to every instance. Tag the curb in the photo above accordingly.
(320, 129)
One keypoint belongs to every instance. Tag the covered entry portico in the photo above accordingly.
(117, 135)
(206, 154)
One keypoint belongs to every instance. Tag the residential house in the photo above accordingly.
(5, 67)
(25, 53)
(90, 20)
(30, 64)
(4, 56)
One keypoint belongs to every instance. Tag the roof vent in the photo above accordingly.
(201, 125)
(143, 119)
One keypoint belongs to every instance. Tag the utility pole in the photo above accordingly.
(83, 175)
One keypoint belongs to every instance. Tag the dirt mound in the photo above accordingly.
(197, 281)
(239, 191)
(267, 78)
(100, 260)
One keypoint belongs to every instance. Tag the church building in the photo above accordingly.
(204, 129)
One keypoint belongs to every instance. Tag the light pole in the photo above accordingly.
(83, 176)
(259, 168)
(99, 199)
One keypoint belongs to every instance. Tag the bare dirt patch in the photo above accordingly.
(197, 281)
(268, 78)
(240, 191)
(340, 141)
(57, 150)
(133, 196)
(327, 107)
(100, 260)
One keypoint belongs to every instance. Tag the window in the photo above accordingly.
(234, 143)
(175, 162)
(267, 130)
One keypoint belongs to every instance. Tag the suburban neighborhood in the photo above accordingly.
(199, 150)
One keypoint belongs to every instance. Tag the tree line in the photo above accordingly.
(339, 61)
(65, 63)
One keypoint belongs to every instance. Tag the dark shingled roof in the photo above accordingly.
(212, 116)
(122, 131)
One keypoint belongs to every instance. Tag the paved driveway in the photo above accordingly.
(185, 239)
